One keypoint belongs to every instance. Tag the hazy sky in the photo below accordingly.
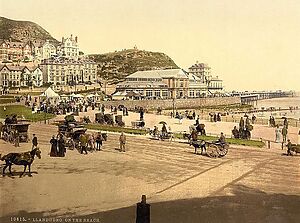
(251, 45)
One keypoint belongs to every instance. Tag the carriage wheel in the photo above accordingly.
(222, 150)
(212, 151)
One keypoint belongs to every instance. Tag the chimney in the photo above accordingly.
(76, 38)
(62, 39)
(71, 36)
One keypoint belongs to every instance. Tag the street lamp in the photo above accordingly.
(44, 115)
(173, 107)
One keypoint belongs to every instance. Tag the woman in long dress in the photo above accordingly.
(61, 146)
(53, 151)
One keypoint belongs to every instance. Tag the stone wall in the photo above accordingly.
(178, 103)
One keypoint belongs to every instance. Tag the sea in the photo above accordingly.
(283, 103)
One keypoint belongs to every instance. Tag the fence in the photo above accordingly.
(259, 121)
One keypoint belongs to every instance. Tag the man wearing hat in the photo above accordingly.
(143, 211)
(122, 141)
(34, 142)
(222, 139)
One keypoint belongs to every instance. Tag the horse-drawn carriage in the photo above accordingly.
(212, 149)
(104, 118)
(159, 135)
(11, 131)
(71, 131)
(295, 149)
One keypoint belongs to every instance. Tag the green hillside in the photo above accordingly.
(117, 65)
(23, 31)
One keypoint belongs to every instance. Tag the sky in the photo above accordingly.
(250, 44)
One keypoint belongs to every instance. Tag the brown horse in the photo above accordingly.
(24, 159)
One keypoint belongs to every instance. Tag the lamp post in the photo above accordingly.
(173, 107)
(45, 110)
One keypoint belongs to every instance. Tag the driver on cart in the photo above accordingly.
(155, 131)
(221, 141)
(164, 130)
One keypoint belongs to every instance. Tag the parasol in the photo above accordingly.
(162, 122)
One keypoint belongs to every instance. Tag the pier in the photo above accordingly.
(251, 98)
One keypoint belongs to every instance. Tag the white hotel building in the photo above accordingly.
(62, 71)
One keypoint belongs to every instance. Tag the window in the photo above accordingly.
(192, 94)
(181, 83)
(165, 93)
(140, 91)
(148, 93)
(157, 93)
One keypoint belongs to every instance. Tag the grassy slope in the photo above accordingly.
(21, 110)
(117, 65)
(23, 31)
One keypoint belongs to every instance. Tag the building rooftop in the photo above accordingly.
(141, 84)
(62, 60)
(12, 43)
(177, 73)
(18, 68)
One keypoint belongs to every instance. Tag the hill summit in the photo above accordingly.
(119, 64)
(23, 31)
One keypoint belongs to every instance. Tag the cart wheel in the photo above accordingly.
(212, 151)
(222, 151)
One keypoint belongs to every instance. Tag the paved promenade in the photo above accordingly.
(260, 131)
(247, 185)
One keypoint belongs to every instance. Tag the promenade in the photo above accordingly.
(215, 128)
(247, 185)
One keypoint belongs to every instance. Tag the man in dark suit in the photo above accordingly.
(34, 142)
(143, 211)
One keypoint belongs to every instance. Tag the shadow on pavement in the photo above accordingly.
(243, 205)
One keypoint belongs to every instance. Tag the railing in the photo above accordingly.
(259, 121)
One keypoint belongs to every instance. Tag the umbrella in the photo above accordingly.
(162, 122)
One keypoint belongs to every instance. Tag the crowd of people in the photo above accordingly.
(245, 128)
(85, 143)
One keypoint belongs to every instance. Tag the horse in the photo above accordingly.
(24, 159)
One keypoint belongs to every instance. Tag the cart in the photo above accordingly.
(295, 149)
(10, 130)
(214, 149)
(71, 131)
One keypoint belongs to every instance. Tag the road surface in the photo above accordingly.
(247, 185)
